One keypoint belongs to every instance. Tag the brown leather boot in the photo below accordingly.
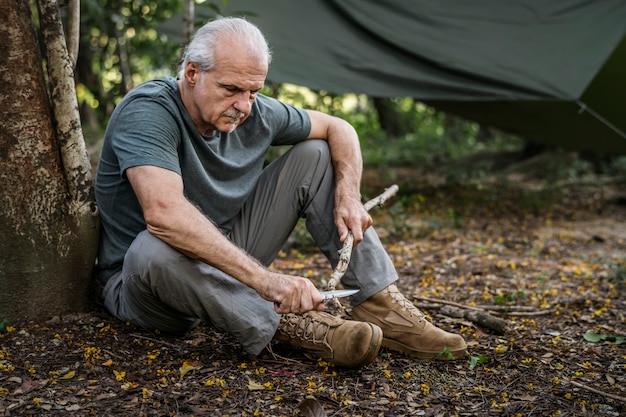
(344, 343)
(406, 329)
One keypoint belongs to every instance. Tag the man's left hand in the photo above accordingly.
(351, 216)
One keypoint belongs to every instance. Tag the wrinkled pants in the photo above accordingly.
(160, 288)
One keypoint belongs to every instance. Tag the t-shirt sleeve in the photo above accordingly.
(289, 125)
(146, 133)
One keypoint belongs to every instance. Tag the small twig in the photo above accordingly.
(531, 313)
(157, 341)
(283, 359)
(345, 253)
(108, 352)
(506, 309)
(606, 394)
(450, 303)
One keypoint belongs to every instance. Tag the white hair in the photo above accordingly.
(201, 49)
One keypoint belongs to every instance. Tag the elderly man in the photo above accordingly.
(191, 218)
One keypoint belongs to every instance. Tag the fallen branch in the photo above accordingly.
(506, 309)
(519, 311)
(475, 315)
(345, 253)
(481, 318)
(596, 391)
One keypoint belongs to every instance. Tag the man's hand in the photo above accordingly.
(290, 294)
(351, 216)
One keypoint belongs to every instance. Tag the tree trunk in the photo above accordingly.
(188, 21)
(389, 117)
(48, 222)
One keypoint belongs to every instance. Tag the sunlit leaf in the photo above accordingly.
(254, 386)
(69, 375)
(187, 366)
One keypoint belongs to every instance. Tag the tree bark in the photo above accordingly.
(49, 222)
(188, 21)
(389, 118)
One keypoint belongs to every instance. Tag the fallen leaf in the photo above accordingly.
(187, 366)
(310, 407)
(254, 386)
(69, 375)
(29, 386)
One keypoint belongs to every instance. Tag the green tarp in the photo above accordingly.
(553, 71)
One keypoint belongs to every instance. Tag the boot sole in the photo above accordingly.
(443, 356)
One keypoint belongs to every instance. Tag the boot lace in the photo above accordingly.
(405, 304)
(307, 328)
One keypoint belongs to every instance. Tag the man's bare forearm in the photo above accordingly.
(189, 231)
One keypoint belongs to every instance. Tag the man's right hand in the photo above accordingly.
(291, 294)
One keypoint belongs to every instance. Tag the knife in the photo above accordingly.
(327, 295)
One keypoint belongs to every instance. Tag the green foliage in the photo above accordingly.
(4, 323)
(120, 48)
(618, 275)
(614, 166)
(535, 201)
(503, 299)
(475, 360)
(601, 337)
(399, 222)
(445, 354)
(300, 239)
(432, 135)
(456, 217)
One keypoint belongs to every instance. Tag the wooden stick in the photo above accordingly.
(345, 253)
(498, 310)
(606, 394)
(450, 303)
(384, 196)
(505, 308)
(481, 318)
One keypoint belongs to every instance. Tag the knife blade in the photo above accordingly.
(327, 295)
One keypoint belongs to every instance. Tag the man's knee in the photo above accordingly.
(148, 250)
(312, 150)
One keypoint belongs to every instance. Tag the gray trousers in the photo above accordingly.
(160, 288)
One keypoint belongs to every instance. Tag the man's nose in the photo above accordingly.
(244, 102)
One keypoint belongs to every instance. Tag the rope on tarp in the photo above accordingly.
(584, 108)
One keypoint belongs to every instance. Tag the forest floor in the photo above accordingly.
(547, 260)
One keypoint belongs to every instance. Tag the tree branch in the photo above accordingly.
(73, 30)
(596, 391)
(74, 155)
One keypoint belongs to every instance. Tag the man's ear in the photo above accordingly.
(191, 73)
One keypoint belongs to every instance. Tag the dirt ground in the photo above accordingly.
(548, 264)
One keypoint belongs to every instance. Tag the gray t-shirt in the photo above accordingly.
(151, 126)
